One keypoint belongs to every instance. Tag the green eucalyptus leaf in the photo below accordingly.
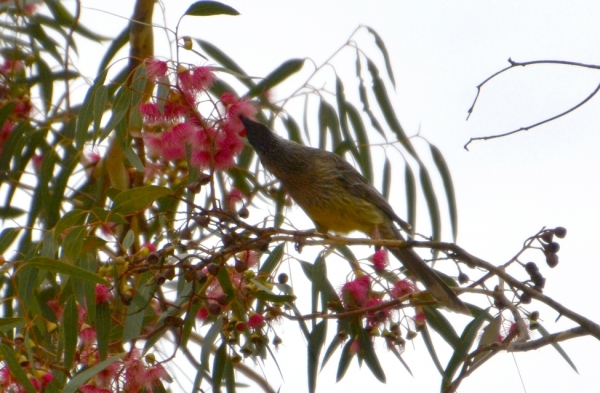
(432, 204)
(7, 237)
(137, 199)
(315, 344)
(219, 363)
(444, 172)
(210, 8)
(410, 187)
(88, 373)
(558, 348)
(272, 260)
(440, 324)
(209, 341)
(9, 356)
(345, 359)
(280, 74)
(381, 45)
(56, 266)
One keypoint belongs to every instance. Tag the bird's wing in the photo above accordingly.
(360, 187)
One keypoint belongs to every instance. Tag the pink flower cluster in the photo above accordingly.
(133, 372)
(357, 294)
(172, 125)
(40, 380)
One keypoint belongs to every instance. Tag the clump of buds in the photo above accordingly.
(536, 277)
(551, 247)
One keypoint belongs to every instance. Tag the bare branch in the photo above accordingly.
(514, 64)
(462, 255)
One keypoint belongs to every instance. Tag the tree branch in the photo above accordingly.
(514, 64)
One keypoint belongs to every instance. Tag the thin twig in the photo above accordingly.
(514, 64)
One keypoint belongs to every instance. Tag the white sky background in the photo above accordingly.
(507, 189)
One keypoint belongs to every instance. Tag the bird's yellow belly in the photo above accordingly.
(345, 215)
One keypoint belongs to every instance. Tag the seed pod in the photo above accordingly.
(552, 248)
(160, 279)
(213, 268)
(203, 221)
(560, 232)
(201, 277)
(189, 275)
(463, 278)
(531, 268)
(547, 236)
(552, 260)
(169, 273)
(214, 308)
(240, 265)
(153, 258)
(244, 212)
(282, 278)
(525, 298)
(534, 316)
(539, 280)
(222, 300)
(194, 187)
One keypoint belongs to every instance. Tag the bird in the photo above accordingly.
(338, 199)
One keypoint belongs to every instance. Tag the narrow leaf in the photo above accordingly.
(328, 121)
(410, 186)
(7, 237)
(489, 335)
(364, 150)
(368, 354)
(87, 374)
(364, 98)
(440, 324)
(467, 339)
(72, 244)
(333, 346)
(209, 8)
(9, 356)
(345, 359)
(431, 349)
(226, 61)
(46, 83)
(444, 171)
(70, 220)
(56, 266)
(558, 348)
(272, 260)
(432, 203)
(103, 326)
(7, 324)
(137, 309)
(225, 282)
(269, 297)
(134, 200)
(386, 182)
(209, 341)
(219, 367)
(388, 110)
(280, 74)
(70, 332)
(315, 344)
(384, 52)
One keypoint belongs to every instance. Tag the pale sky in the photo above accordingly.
(507, 189)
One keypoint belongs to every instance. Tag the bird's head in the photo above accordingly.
(260, 136)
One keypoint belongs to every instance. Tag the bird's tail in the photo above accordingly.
(423, 273)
